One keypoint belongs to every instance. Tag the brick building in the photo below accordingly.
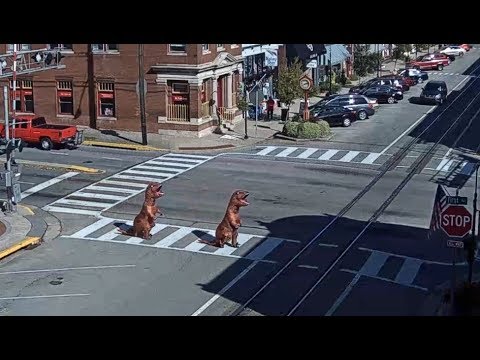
(98, 87)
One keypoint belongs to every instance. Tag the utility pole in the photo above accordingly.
(141, 94)
(245, 113)
(8, 165)
(92, 101)
(330, 70)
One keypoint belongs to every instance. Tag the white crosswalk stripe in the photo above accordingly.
(182, 238)
(111, 191)
(360, 157)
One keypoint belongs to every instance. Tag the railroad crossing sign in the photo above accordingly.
(456, 221)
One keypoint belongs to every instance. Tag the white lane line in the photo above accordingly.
(67, 269)
(308, 267)
(41, 296)
(370, 158)
(111, 158)
(267, 150)
(327, 155)
(48, 183)
(286, 152)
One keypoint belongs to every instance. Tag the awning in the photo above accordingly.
(339, 53)
(305, 51)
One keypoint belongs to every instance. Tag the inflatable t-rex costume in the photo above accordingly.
(227, 230)
(145, 220)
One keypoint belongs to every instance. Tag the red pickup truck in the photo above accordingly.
(37, 131)
(430, 62)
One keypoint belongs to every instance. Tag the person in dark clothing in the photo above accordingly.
(270, 107)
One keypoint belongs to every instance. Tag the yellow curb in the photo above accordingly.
(62, 166)
(27, 209)
(122, 146)
(24, 243)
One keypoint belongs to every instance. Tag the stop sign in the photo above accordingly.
(456, 221)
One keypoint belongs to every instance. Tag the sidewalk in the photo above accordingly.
(25, 228)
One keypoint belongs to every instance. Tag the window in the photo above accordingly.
(178, 48)
(220, 47)
(20, 47)
(205, 47)
(65, 97)
(105, 47)
(23, 95)
(234, 46)
(60, 46)
(106, 99)
(180, 88)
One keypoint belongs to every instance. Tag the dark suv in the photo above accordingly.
(359, 103)
(435, 91)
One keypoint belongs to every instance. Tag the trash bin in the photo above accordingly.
(284, 115)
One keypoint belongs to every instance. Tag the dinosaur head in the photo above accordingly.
(154, 191)
(239, 198)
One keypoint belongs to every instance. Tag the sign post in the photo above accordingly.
(306, 83)
(456, 222)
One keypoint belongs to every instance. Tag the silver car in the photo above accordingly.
(361, 104)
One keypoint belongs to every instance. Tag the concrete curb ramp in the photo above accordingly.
(62, 166)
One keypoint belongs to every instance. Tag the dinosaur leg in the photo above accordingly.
(234, 238)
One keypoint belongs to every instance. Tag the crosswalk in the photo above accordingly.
(111, 191)
(342, 156)
(181, 238)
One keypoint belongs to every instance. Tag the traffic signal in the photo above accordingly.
(37, 57)
(10, 145)
(3, 63)
(3, 146)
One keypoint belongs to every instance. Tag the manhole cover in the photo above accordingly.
(88, 162)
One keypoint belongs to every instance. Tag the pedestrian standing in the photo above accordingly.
(270, 107)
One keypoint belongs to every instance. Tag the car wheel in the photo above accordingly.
(362, 115)
(346, 122)
(440, 67)
(46, 143)
(420, 80)
(391, 100)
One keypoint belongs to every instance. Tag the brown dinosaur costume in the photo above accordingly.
(227, 230)
(145, 220)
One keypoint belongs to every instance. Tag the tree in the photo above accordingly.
(399, 52)
(361, 59)
(288, 87)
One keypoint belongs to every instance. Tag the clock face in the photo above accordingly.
(304, 84)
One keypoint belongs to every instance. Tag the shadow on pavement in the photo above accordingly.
(398, 241)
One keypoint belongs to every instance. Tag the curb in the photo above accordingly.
(44, 227)
(121, 146)
(62, 166)
(284, 137)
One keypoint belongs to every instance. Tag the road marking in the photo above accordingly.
(129, 182)
(349, 156)
(214, 298)
(339, 300)
(48, 183)
(173, 237)
(408, 271)
(327, 155)
(66, 269)
(111, 158)
(58, 153)
(370, 158)
(286, 152)
(416, 122)
(267, 150)
(308, 267)
(93, 227)
(328, 245)
(307, 153)
(41, 296)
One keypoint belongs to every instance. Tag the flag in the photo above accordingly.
(439, 205)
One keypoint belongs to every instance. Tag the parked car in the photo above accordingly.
(390, 80)
(357, 102)
(453, 50)
(334, 115)
(37, 131)
(435, 91)
(383, 93)
(395, 81)
(414, 74)
(467, 47)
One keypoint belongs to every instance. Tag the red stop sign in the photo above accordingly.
(456, 221)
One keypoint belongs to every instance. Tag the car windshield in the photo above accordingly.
(432, 86)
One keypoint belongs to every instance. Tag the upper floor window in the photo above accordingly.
(20, 47)
(60, 46)
(205, 47)
(220, 46)
(177, 48)
(105, 47)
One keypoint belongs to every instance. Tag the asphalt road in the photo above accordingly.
(389, 270)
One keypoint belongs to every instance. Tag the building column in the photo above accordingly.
(229, 91)
(214, 96)
(163, 96)
(195, 101)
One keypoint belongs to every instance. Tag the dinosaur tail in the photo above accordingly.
(212, 243)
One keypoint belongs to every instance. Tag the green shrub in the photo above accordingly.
(313, 130)
(290, 129)
(354, 77)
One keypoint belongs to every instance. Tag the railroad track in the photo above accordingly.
(444, 128)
